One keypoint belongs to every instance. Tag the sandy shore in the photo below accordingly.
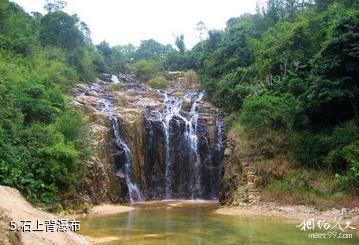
(295, 212)
(139, 238)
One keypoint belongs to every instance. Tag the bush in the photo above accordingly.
(158, 82)
(70, 124)
(348, 156)
(146, 69)
(42, 166)
(269, 112)
(325, 149)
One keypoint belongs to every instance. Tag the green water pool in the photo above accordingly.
(173, 222)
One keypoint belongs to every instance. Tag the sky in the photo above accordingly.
(129, 21)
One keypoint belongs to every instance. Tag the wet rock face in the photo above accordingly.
(193, 166)
(100, 183)
(170, 146)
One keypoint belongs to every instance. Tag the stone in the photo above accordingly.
(186, 104)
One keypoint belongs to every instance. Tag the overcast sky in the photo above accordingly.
(129, 21)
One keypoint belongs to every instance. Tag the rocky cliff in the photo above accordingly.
(241, 182)
(149, 143)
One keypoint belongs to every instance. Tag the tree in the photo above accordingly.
(322, 4)
(146, 69)
(275, 10)
(202, 30)
(55, 5)
(175, 61)
(127, 51)
(61, 30)
(214, 39)
(105, 49)
(332, 94)
(291, 7)
(151, 49)
(180, 44)
(4, 4)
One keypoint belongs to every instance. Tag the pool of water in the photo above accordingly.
(193, 222)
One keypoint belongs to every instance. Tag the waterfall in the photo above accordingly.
(193, 140)
(177, 149)
(172, 113)
(173, 107)
(114, 79)
(122, 148)
(134, 192)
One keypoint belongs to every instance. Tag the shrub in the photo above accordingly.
(268, 111)
(158, 82)
(348, 156)
(146, 69)
(70, 124)
(326, 149)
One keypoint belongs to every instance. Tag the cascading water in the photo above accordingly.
(123, 150)
(133, 191)
(172, 114)
(193, 140)
(171, 143)
(173, 107)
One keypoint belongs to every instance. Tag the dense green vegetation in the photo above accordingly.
(291, 70)
(41, 138)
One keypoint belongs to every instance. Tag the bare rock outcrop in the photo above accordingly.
(15, 208)
(141, 111)
(241, 181)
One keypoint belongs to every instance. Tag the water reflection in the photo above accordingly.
(192, 222)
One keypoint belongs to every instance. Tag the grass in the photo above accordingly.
(115, 87)
(190, 79)
(308, 187)
(122, 100)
